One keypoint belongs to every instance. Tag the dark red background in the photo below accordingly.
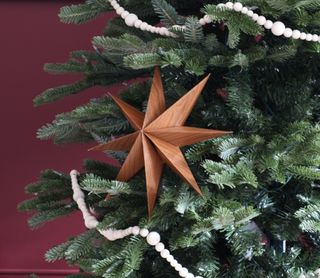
(31, 35)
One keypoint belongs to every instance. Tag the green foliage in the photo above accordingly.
(259, 184)
(230, 176)
(166, 12)
(82, 13)
(80, 246)
(236, 23)
(57, 252)
(97, 185)
(309, 215)
(193, 31)
(53, 94)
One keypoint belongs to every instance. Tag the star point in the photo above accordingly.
(159, 134)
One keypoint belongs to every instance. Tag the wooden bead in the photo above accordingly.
(237, 6)
(120, 10)
(278, 28)
(287, 32)
(183, 272)
(159, 247)
(255, 17)
(124, 14)
(131, 19)
(143, 26)
(303, 36)
(268, 24)
(229, 5)
(244, 10)
(207, 19)
(261, 20)
(137, 23)
(153, 238)
(250, 13)
(144, 232)
(296, 34)
(309, 37)
(164, 253)
(202, 22)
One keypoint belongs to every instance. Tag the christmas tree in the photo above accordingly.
(253, 209)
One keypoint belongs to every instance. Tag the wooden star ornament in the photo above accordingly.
(158, 135)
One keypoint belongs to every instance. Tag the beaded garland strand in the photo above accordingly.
(153, 238)
(277, 28)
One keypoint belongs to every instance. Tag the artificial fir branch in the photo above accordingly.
(263, 88)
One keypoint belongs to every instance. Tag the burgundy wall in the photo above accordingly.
(30, 36)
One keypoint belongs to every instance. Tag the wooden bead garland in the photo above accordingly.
(277, 28)
(152, 238)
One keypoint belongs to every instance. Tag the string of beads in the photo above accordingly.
(152, 238)
(277, 28)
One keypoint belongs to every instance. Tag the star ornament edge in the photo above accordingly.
(159, 134)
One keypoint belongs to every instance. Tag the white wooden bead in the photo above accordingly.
(153, 29)
(120, 10)
(303, 36)
(207, 19)
(74, 173)
(309, 37)
(164, 253)
(198, 277)
(109, 234)
(144, 232)
(124, 14)
(81, 204)
(178, 267)
(202, 22)
(123, 234)
(136, 230)
(190, 275)
(131, 19)
(315, 38)
(143, 26)
(250, 13)
(153, 238)
(166, 32)
(229, 5)
(116, 6)
(137, 23)
(170, 259)
(159, 247)
(255, 16)
(278, 28)
(237, 6)
(162, 31)
(183, 272)
(287, 32)
(148, 28)
(91, 222)
(296, 34)
(174, 263)
(261, 20)
(244, 10)
(78, 195)
(221, 5)
(128, 231)
(113, 2)
(268, 24)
